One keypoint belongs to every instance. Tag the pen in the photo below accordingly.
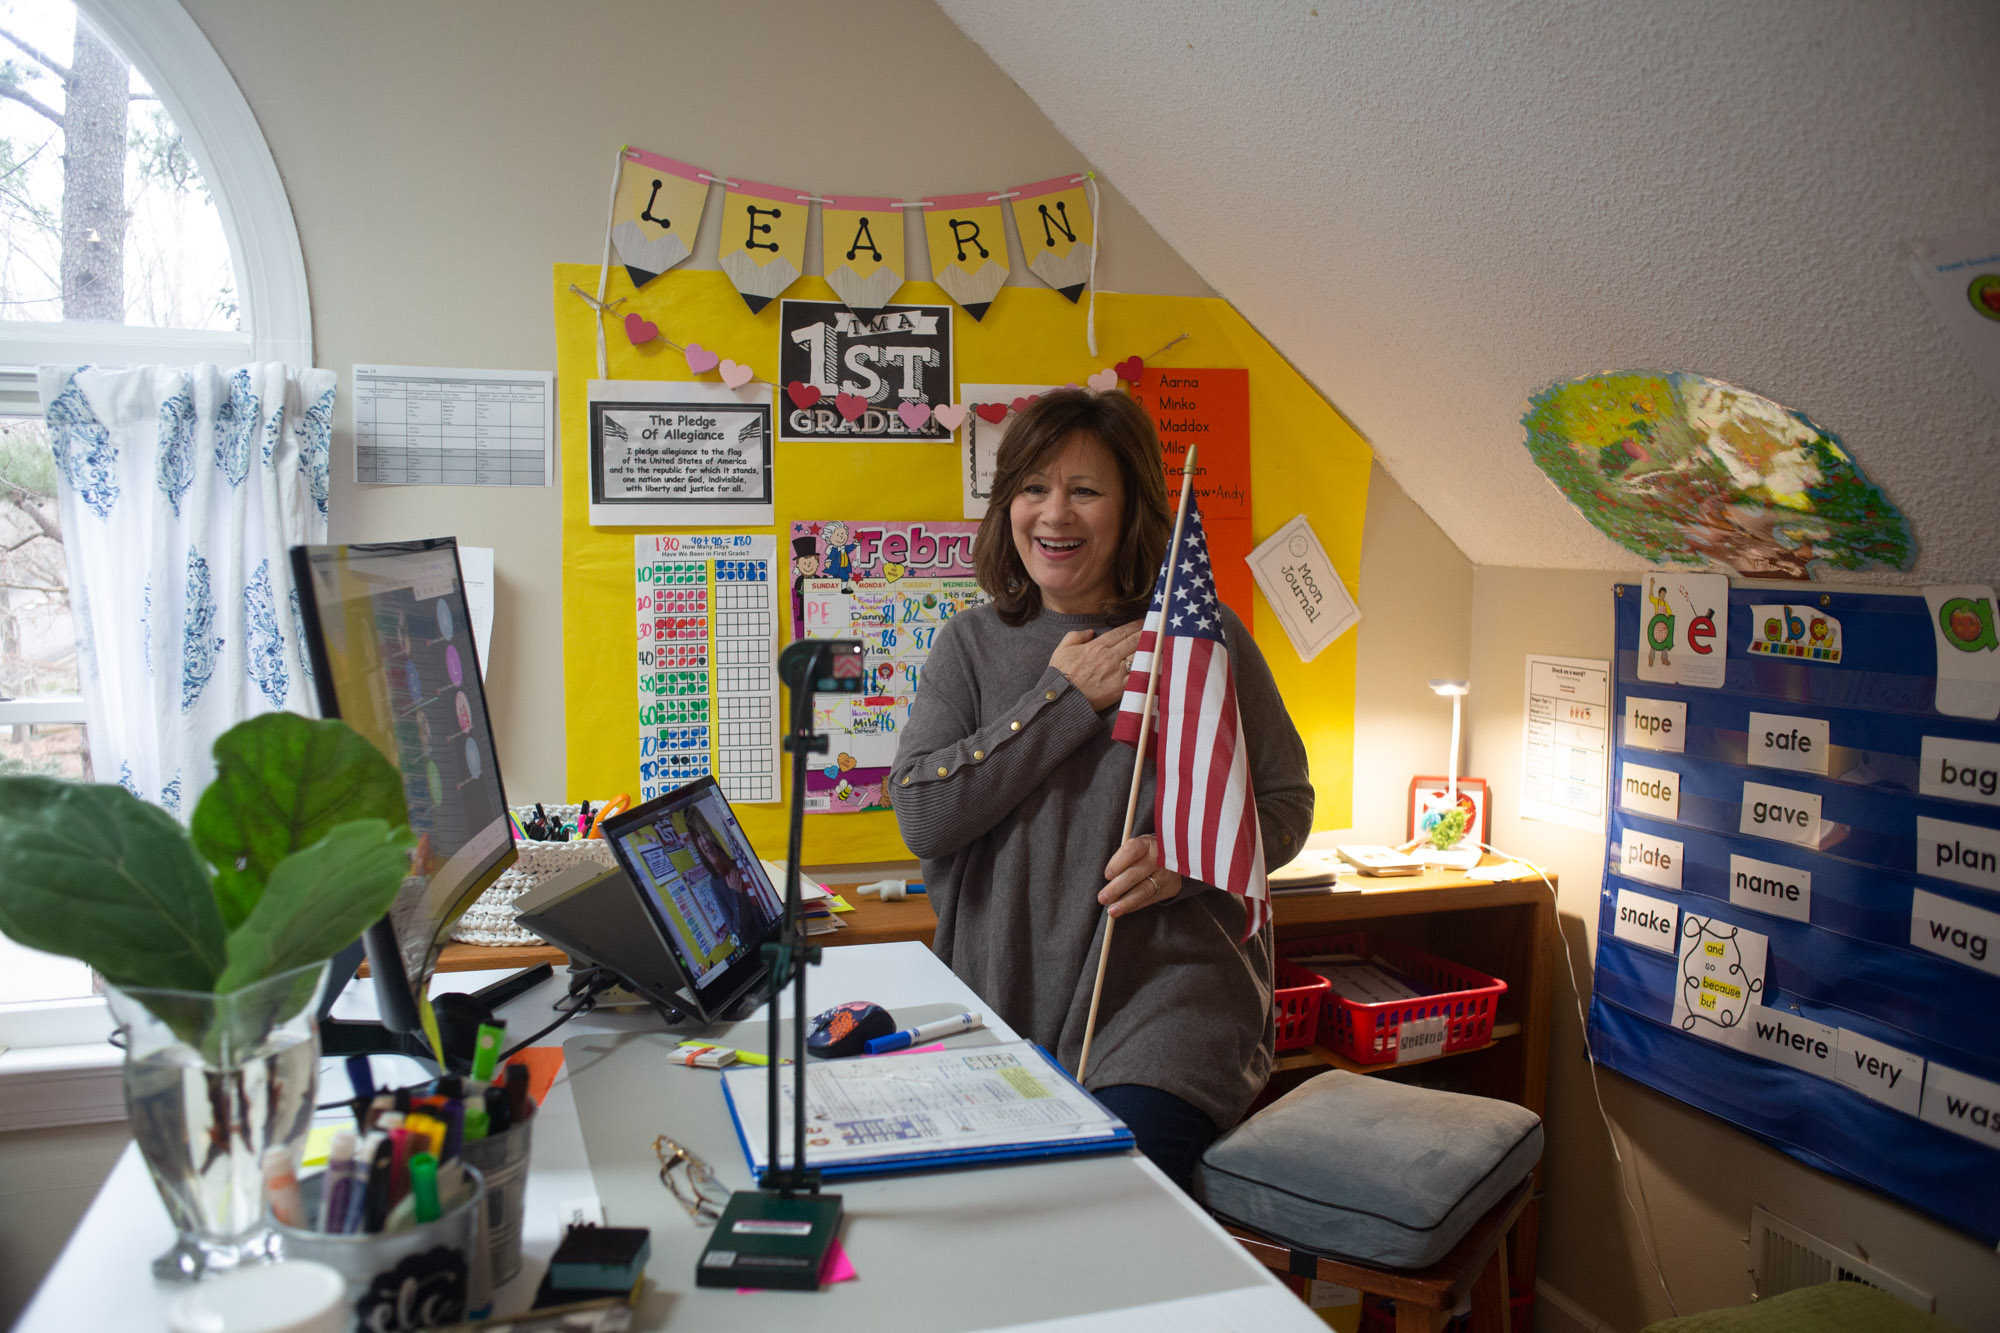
(944, 1027)
(281, 1188)
(401, 1144)
(519, 1108)
(339, 1180)
(381, 1181)
(486, 1051)
(583, 821)
(475, 1120)
(359, 1079)
(360, 1181)
(424, 1186)
(498, 1121)
(454, 1129)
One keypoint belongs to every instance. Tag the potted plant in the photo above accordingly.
(213, 940)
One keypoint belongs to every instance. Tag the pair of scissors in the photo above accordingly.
(622, 801)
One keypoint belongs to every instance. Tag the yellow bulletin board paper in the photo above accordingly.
(1305, 459)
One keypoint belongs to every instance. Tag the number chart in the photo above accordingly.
(707, 622)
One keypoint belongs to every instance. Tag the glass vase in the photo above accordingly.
(211, 1082)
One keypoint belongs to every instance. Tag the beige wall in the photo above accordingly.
(1696, 1176)
(47, 1178)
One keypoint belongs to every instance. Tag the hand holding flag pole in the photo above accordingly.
(1165, 595)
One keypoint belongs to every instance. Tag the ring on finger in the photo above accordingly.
(1152, 884)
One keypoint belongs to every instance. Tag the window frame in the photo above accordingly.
(173, 54)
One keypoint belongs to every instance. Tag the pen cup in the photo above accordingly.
(503, 1160)
(434, 1273)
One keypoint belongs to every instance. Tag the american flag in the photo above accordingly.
(1203, 806)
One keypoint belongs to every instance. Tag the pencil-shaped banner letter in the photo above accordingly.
(763, 246)
(968, 249)
(861, 249)
(655, 213)
(1058, 233)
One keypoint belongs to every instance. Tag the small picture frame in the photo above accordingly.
(1428, 800)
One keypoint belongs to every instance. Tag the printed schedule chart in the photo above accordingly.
(422, 426)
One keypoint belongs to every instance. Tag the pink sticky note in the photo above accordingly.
(837, 1268)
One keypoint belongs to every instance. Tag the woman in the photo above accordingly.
(744, 916)
(1010, 789)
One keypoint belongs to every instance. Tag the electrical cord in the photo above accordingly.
(584, 988)
(1642, 1215)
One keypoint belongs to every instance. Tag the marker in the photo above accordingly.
(359, 1079)
(363, 1182)
(498, 1121)
(281, 1188)
(519, 1107)
(339, 1182)
(424, 1186)
(475, 1120)
(944, 1027)
(486, 1051)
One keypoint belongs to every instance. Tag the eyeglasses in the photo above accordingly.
(702, 1194)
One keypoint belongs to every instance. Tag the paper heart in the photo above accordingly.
(735, 374)
(914, 415)
(1021, 404)
(951, 416)
(639, 329)
(851, 405)
(993, 412)
(1104, 381)
(803, 395)
(700, 359)
(1128, 369)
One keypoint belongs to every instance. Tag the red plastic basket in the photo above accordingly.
(1296, 1002)
(1367, 1033)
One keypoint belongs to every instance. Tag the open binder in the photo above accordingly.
(927, 1111)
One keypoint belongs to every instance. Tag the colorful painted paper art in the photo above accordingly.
(968, 249)
(1058, 233)
(861, 247)
(655, 213)
(1682, 469)
(763, 246)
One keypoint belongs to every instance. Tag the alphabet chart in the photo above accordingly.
(1802, 894)
(707, 618)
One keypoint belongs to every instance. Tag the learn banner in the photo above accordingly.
(1058, 234)
(655, 213)
(861, 250)
(763, 239)
(968, 249)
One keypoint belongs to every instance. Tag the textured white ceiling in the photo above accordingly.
(1436, 209)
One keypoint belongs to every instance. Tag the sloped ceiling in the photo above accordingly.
(1435, 209)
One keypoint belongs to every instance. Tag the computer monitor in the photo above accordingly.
(705, 889)
(390, 639)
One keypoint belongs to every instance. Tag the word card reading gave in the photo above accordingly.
(1781, 741)
(1962, 1104)
(1656, 861)
(1650, 791)
(1646, 921)
(1779, 812)
(1961, 770)
(1656, 724)
(1955, 930)
(1875, 1069)
(1966, 853)
(1766, 886)
(1773, 1034)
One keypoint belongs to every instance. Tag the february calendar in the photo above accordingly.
(707, 619)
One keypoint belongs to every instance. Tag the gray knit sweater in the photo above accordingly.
(1010, 789)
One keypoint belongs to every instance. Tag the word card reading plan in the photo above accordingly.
(707, 621)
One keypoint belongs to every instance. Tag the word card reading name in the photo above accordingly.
(1875, 1069)
(1650, 791)
(1797, 743)
(1656, 724)
(1962, 770)
(1778, 812)
(1646, 921)
(1963, 1104)
(1773, 1034)
(1966, 853)
(1955, 930)
(1766, 886)
(1654, 860)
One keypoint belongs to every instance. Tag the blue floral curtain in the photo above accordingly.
(181, 492)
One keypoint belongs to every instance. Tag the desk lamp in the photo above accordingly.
(778, 1234)
(1456, 690)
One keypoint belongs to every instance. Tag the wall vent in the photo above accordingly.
(1784, 1258)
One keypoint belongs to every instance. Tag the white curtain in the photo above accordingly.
(181, 492)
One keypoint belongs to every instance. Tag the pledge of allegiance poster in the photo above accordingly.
(892, 586)
(1210, 408)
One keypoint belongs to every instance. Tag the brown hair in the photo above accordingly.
(1041, 431)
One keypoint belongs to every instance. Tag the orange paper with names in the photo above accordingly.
(1210, 409)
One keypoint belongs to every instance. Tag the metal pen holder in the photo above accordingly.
(437, 1272)
(503, 1160)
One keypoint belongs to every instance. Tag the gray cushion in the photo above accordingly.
(1369, 1170)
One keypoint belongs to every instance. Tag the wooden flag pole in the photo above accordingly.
(1139, 759)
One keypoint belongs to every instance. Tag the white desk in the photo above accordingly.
(980, 1237)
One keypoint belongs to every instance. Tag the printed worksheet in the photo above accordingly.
(428, 426)
(707, 613)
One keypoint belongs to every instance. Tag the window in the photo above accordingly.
(142, 221)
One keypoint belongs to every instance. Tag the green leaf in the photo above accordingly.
(319, 900)
(93, 872)
(281, 783)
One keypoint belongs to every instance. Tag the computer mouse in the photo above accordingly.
(845, 1028)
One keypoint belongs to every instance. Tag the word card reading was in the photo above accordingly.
(1962, 770)
(1650, 791)
(1778, 812)
(1656, 861)
(1766, 886)
(1963, 1104)
(1646, 921)
(1809, 1047)
(1656, 724)
(1873, 1069)
(1781, 741)
(1955, 930)
(1966, 853)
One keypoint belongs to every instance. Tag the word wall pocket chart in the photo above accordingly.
(707, 620)
(1802, 892)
